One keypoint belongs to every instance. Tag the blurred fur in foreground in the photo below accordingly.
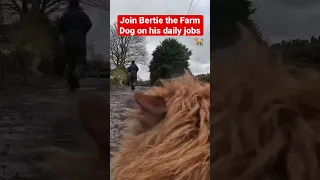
(93, 114)
(167, 137)
(67, 165)
(265, 116)
(265, 121)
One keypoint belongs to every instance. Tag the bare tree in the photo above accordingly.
(124, 49)
(47, 7)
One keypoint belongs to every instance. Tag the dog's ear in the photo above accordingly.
(152, 104)
(154, 110)
(93, 113)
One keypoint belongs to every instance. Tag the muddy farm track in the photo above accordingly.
(120, 99)
(44, 116)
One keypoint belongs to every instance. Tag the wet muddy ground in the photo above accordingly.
(120, 99)
(39, 116)
(32, 117)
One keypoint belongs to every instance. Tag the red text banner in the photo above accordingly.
(160, 25)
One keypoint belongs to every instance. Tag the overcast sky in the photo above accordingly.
(199, 61)
(285, 19)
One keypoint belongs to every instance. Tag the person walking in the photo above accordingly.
(74, 25)
(133, 74)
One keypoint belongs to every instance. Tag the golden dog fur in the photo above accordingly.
(265, 122)
(168, 136)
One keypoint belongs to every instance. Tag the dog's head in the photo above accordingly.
(167, 135)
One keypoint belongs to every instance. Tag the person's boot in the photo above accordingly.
(72, 88)
(72, 83)
(77, 75)
(69, 80)
(77, 84)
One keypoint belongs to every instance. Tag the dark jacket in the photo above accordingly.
(133, 69)
(74, 26)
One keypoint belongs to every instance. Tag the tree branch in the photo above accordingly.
(11, 5)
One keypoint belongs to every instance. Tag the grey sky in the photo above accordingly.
(285, 19)
(199, 61)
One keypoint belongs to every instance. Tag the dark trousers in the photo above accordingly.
(75, 60)
(133, 79)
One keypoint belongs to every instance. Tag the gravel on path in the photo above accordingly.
(120, 99)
